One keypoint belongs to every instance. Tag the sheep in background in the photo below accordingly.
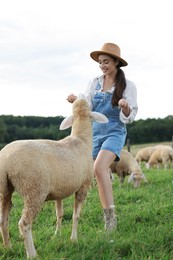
(41, 170)
(162, 155)
(144, 154)
(128, 166)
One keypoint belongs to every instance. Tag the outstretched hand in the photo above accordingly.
(124, 106)
(71, 98)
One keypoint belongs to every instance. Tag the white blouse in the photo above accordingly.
(130, 94)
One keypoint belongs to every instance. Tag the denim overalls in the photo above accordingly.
(107, 136)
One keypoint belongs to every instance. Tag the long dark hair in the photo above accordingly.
(120, 82)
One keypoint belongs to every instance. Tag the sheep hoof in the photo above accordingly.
(57, 233)
(73, 238)
(8, 245)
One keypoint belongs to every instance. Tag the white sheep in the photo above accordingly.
(128, 166)
(162, 155)
(144, 154)
(41, 170)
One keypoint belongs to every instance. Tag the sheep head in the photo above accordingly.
(81, 108)
(137, 178)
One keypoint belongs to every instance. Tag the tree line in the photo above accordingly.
(34, 127)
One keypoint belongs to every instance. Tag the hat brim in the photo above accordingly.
(95, 56)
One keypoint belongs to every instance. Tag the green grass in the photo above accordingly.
(145, 225)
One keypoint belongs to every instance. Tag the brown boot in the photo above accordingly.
(110, 219)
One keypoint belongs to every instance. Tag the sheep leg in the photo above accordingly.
(5, 206)
(31, 208)
(79, 199)
(111, 174)
(76, 214)
(25, 230)
(59, 215)
(165, 163)
(121, 178)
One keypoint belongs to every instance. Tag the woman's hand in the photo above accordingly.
(71, 98)
(124, 106)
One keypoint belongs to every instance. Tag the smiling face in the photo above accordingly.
(107, 64)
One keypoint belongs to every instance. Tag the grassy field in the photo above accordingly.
(144, 231)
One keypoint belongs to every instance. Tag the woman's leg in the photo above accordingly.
(101, 170)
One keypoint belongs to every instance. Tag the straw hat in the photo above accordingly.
(109, 49)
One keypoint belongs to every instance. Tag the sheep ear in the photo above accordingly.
(98, 117)
(143, 177)
(131, 178)
(66, 123)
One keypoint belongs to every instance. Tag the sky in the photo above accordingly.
(45, 50)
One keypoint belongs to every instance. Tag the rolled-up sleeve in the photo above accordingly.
(130, 94)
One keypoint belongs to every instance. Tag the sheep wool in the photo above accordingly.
(128, 166)
(162, 156)
(40, 170)
(144, 154)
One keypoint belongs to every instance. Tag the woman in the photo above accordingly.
(116, 97)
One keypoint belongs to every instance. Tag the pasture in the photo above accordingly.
(145, 225)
